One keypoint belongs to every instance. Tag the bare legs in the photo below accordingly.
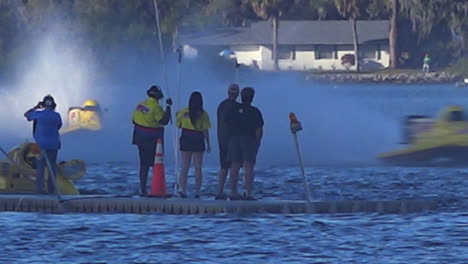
(221, 181)
(143, 178)
(249, 178)
(235, 167)
(186, 159)
(198, 162)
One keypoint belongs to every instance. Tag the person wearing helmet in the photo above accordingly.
(46, 126)
(149, 120)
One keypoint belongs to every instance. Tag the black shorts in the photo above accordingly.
(192, 142)
(223, 156)
(147, 153)
(143, 136)
(146, 143)
(242, 148)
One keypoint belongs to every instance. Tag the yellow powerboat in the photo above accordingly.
(87, 117)
(18, 174)
(444, 139)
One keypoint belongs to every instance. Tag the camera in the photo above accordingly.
(40, 105)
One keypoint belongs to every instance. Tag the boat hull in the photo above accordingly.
(442, 155)
(13, 181)
(433, 141)
(18, 174)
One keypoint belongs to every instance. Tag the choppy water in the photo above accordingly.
(428, 237)
(345, 124)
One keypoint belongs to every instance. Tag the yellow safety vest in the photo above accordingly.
(183, 121)
(148, 113)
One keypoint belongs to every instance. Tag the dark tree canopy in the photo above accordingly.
(438, 26)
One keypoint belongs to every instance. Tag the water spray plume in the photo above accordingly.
(54, 67)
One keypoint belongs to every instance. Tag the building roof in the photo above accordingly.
(293, 33)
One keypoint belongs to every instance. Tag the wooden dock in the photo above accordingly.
(149, 205)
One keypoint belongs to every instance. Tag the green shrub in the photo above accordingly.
(460, 67)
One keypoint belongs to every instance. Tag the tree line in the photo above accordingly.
(439, 27)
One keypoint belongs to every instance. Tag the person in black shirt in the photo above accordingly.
(246, 127)
(223, 137)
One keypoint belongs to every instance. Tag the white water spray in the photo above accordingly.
(53, 66)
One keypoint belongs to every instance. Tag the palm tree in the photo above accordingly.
(272, 10)
(393, 34)
(350, 9)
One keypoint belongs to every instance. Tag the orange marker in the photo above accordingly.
(295, 125)
(158, 183)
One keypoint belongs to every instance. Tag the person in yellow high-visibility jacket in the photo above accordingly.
(149, 120)
(194, 123)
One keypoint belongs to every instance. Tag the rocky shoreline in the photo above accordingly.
(394, 78)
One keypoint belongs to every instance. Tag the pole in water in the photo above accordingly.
(9, 158)
(236, 65)
(231, 55)
(180, 54)
(295, 127)
(161, 47)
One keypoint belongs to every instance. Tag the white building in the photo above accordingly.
(303, 45)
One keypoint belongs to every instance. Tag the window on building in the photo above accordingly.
(369, 52)
(305, 48)
(286, 52)
(323, 52)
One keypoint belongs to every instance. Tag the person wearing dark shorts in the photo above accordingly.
(149, 120)
(194, 123)
(246, 125)
(223, 137)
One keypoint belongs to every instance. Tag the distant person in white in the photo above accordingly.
(426, 63)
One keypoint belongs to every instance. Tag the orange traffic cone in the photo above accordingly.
(158, 183)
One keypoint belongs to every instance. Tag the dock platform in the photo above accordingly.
(149, 205)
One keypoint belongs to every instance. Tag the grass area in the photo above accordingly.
(378, 72)
(455, 70)
(397, 71)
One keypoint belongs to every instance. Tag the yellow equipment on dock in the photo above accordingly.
(20, 177)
